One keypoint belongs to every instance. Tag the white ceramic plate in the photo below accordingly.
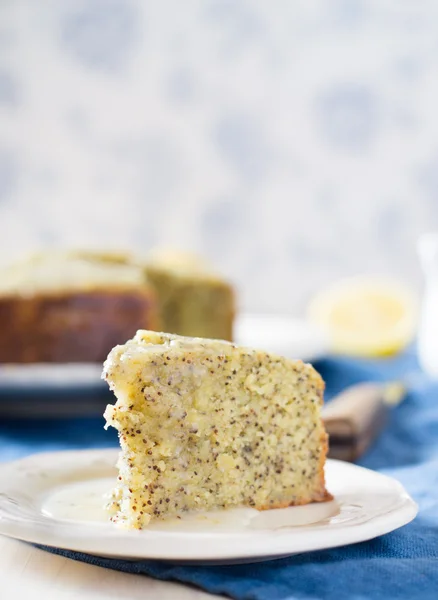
(286, 336)
(56, 499)
(70, 390)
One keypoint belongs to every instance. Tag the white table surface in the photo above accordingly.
(29, 573)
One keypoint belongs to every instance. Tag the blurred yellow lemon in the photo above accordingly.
(366, 316)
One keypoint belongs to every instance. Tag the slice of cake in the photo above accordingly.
(194, 300)
(204, 425)
(62, 308)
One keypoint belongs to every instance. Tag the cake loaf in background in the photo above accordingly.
(74, 306)
(66, 308)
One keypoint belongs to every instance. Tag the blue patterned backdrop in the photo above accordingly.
(292, 142)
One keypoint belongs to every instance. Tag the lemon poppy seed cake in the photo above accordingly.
(205, 425)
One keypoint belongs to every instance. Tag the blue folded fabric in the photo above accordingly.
(400, 565)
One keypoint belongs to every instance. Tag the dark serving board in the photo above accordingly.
(70, 390)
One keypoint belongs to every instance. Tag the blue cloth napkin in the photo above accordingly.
(400, 565)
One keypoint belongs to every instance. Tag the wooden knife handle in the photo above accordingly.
(354, 418)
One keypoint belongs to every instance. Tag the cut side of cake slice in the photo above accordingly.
(205, 425)
(194, 300)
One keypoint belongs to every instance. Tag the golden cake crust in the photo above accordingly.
(81, 326)
(66, 307)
